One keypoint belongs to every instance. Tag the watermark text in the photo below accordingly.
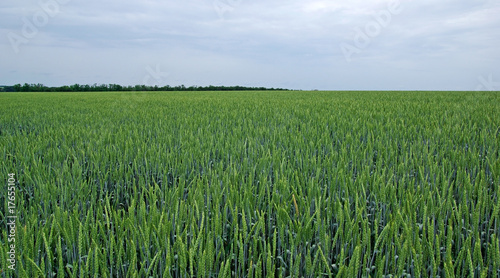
(11, 218)
(363, 36)
(487, 84)
(31, 25)
(224, 6)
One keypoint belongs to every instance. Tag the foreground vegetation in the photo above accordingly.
(253, 184)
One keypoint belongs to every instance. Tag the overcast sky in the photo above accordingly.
(326, 45)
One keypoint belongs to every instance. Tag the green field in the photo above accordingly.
(252, 184)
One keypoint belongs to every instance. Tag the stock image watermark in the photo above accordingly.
(47, 9)
(155, 76)
(363, 36)
(11, 217)
(487, 84)
(224, 6)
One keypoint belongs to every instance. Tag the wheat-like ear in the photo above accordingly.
(60, 270)
(295, 205)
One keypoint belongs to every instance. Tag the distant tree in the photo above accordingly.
(26, 87)
(116, 87)
(75, 88)
(64, 89)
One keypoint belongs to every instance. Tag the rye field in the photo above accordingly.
(250, 184)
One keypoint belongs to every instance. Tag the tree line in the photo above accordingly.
(115, 87)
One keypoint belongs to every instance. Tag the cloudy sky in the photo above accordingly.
(316, 44)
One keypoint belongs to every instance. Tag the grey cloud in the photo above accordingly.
(429, 45)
